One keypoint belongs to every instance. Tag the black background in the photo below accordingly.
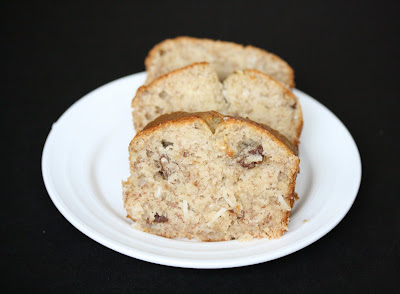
(345, 54)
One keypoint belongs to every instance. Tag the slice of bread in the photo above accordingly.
(248, 93)
(210, 177)
(192, 89)
(224, 57)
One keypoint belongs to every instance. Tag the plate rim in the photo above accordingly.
(172, 261)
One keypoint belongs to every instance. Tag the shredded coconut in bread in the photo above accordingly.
(183, 185)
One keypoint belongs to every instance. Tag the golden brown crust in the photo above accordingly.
(158, 47)
(212, 119)
(209, 117)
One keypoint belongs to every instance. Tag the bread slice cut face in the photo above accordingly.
(195, 88)
(210, 177)
(224, 57)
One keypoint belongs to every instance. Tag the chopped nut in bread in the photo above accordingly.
(193, 188)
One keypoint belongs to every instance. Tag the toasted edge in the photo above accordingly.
(213, 119)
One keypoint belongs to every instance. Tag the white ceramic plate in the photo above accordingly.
(85, 158)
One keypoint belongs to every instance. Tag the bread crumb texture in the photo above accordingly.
(210, 177)
(197, 87)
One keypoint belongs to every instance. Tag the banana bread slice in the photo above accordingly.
(248, 93)
(210, 177)
(224, 57)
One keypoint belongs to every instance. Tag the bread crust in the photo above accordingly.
(213, 119)
(181, 39)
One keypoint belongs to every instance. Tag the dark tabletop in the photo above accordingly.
(345, 54)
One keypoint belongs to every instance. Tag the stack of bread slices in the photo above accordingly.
(215, 157)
